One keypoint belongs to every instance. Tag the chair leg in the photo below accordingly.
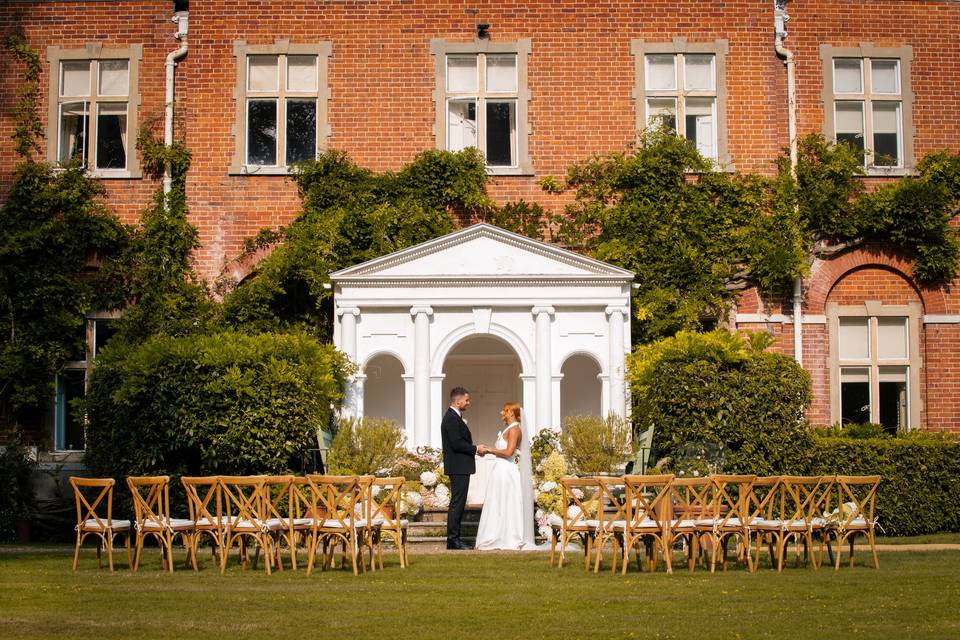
(139, 550)
(76, 552)
(99, 552)
(108, 542)
(873, 548)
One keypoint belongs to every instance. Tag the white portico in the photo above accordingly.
(507, 317)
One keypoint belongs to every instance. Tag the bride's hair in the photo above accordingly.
(513, 409)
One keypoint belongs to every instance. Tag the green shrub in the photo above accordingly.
(365, 447)
(920, 488)
(720, 388)
(220, 404)
(16, 490)
(595, 445)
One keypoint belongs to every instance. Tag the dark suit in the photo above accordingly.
(458, 463)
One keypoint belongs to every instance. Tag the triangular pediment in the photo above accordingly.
(482, 252)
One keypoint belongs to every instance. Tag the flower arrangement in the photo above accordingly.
(547, 492)
(423, 471)
(411, 502)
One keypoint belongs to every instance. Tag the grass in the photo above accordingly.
(930, 538)
(473, 595)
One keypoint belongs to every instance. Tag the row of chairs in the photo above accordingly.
(704, 514)
(317, 513)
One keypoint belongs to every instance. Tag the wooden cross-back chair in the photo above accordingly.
(245, 518)
(691, 503)
(385, 495)
(93, 496)
(765, 518)
(611, 510)
(334, 501)
(279, 513)
(366, 528)
(732, 499)
(856, 498)
(205, 504)
(151, 504)
(805, 501)
(647, 519)
(576, 494)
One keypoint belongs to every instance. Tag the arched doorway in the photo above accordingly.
(383, 390)
(490, 370)
(581, 390)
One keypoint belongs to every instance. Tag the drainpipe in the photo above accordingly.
(180, 18)
(780, 23)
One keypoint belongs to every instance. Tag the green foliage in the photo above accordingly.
(717, 388)
(521, 217)
(366, 447)
(219, 404)
(16, 489)
(28, 131)
(920, 487)
(596, 445)
(350, 215)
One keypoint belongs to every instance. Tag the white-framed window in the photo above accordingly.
(93, 109)
(680, 87)
(875, 365)
(867, 103)
(281, 106)
(482, 100)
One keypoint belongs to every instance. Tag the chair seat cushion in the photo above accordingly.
(647, 524)
(390, 524)
(215, 521)
(174, 524)
(767, 525)
(683, 524)
(244, 524)
(91, 524)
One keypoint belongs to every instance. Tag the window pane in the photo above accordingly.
(75, 78)
(849, 123)
(262, 132)
(847, 75)
(112, 135)
(70, 386)
(114, 78)
(74, 122)
(461, 73)
(892, 338)
(885, 76)
(501, 133)
(886, 134)
(662, 113)
(854, 395)
(854, 338)
(698, 73)
(301, 130)
(661, 72)
(699, 125)
(892, 403)
(262, 73)
(461, 124)
(103, 330)
(502, 73)
(302, 73)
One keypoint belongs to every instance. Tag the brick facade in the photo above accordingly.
(581, 82)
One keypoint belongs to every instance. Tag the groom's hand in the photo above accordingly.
(481, 450)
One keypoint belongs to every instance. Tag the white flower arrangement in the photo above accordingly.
(548, 486)
(577, 493)
(443, 492)
(428, 479)
(410, 503)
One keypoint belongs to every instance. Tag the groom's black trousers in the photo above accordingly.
(458, 500)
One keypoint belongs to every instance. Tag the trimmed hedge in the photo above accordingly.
(218, 404)
(920, 489)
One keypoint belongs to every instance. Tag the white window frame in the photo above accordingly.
(95, 53)
(441, 50)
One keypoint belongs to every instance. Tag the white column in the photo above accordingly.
(543, 367)
(421, 374)
(352, 401)
(617, 360)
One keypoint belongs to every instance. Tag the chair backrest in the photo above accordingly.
(385, 497)
(89, 494)
(692, 498)
(203, 498)
(644, 446)
(731, 499)
(580, 498)
(151, 499)
(612, 500)
(856, 498)
(243, 498)
(336, 496)
(277, 497)
(806, 497)
(648, 497)
(766, 499)
(364, 506)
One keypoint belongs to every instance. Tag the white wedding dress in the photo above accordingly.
(501, 521)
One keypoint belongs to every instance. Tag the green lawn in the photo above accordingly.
(473, 595)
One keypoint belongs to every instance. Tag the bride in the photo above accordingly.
(502, 518)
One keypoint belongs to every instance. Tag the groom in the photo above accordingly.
(458, 461)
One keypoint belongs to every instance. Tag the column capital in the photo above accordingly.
(612, 309)
(427, 310)
(536, 311)
(353, 311)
